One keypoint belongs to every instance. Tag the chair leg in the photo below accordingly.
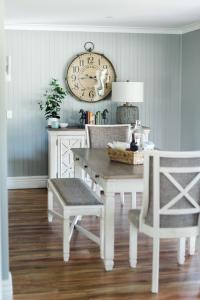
(133, 246)
(122, 199)
(155, 265)
(66, 235)
(50, 205)
(133, 200)
(98, 190)
(102, 235)
(93, 186)
(192, 245)
(181, 251)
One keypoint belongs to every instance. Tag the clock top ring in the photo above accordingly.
(89, 46)
(89, 76)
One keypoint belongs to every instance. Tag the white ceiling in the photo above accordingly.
(167, 14)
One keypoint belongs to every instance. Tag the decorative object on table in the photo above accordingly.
(126, 156)
(127, 93)
(90, 75)
(138, 135)
(53, 99)
(146, 131)
(133, 144)
(82, 118)
(104, 116)
(98, 118)
(88, 117)
(141, 136)
(63, 125)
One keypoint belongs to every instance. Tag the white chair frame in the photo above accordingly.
(155, 231)
(93, 184)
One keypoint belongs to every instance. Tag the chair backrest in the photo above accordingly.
(172, 189)
(98, 136)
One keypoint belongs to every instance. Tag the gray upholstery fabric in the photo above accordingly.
(74, 191)
(168, 191)
(134, 217)
(99, 136)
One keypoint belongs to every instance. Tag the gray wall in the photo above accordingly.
(38, 56)
(190, 112)
(3, 160)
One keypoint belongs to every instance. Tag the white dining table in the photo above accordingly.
(113, 177)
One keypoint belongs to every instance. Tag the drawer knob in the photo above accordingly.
(96, 176)
(77, 158)
(85, 166)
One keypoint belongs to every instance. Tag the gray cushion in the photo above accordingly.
(134, 217)
(168, 191)
(74, 191)
(100, 136)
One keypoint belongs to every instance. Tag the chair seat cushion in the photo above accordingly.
(75, 191)
(134, 217)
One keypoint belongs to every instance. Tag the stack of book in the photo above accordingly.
(89, 117)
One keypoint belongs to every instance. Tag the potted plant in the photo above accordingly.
(54, 96)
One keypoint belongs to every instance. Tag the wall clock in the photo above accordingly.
(90, 76)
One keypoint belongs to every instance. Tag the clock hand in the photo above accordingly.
(88, 77)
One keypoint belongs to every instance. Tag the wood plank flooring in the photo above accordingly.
(39, 273)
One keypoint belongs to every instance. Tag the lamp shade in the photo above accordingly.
(127, 91)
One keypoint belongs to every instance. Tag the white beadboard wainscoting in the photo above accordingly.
(29, 182)
(7, 288)
(37, 56)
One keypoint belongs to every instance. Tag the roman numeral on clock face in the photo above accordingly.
(90, 60)
(91, 94)
(75, 69)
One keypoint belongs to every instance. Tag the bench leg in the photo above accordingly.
(181, 251)
(50, 205)
(133, 246)
(192, 241)
(66, 241)
(102, 235)
(122, 200)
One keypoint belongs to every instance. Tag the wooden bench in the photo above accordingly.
(72, 197)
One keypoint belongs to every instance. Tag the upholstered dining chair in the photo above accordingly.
(171, 204)
(98, 136)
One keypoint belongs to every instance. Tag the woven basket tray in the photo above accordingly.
(127, 157)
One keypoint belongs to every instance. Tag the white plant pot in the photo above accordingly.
(52, 120)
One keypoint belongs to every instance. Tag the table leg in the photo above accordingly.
(109, 211)
(133, 200)
(78, 172)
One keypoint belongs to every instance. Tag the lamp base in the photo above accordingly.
(127, 114)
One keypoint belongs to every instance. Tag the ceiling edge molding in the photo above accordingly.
(90, 28)
(190, 27)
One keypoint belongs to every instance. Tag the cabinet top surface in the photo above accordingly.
(99, 161)
(65, 129)
(68, 131)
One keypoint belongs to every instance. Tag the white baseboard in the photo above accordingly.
(30, 182)
(7, 289)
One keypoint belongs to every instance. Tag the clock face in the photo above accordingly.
(90, 76)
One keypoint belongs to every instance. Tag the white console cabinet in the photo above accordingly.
(60, 156)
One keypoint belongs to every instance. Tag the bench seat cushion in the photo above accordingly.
(75, 191)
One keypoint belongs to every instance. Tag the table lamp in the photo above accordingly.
(127, 93)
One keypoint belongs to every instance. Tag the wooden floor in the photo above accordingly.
(39, 273)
